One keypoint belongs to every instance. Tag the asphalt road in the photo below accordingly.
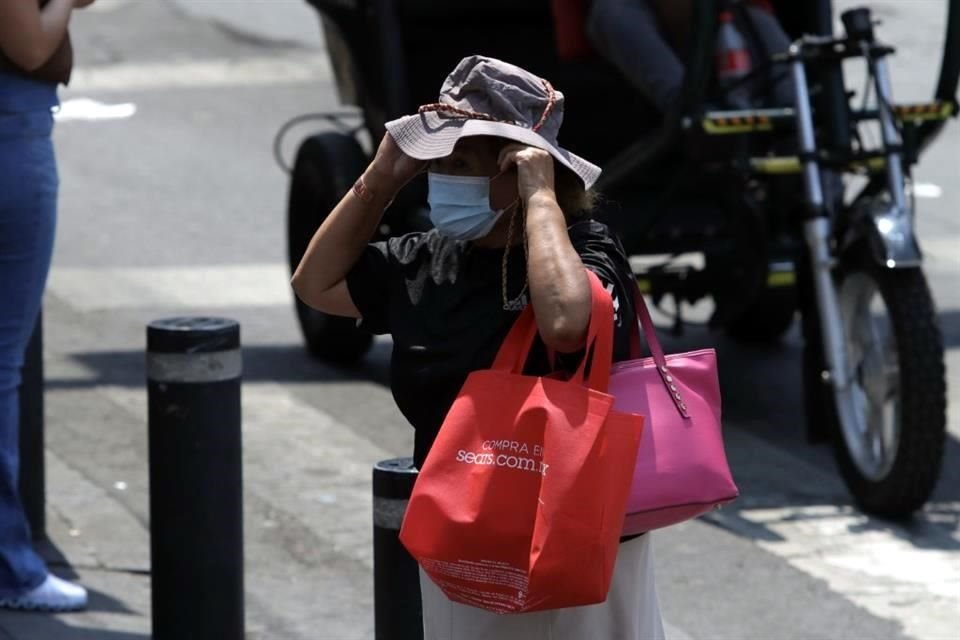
(171, 204)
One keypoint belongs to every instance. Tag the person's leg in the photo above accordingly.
(444, 619)
(627, 34)
(631, 611)
(28, 196)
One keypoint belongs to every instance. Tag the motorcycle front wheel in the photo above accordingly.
(890, 421)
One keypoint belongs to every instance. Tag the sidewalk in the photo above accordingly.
(93, 539)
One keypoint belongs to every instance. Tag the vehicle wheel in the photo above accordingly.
(889, 426)
(766, 320)
(326, 167)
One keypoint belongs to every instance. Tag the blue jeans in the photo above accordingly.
(28, 211)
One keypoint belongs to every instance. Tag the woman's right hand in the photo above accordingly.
(391, 169)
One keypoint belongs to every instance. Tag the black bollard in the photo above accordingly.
(196, 498)
(32, 466)
(396, 580)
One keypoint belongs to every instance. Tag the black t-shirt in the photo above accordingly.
(441, 301)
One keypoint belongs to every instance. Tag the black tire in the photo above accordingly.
(326, 167)
(922, 409)
(766, 320)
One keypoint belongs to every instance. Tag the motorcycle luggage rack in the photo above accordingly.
(739, 122)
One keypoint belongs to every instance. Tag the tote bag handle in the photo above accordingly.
(649, 331)
(515, 349)
(650, 334)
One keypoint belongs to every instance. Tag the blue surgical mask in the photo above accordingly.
(460, 206)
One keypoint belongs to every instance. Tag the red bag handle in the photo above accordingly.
(649, 332)
(599, 337)
(515, 349)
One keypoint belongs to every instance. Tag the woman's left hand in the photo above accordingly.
(534, 170)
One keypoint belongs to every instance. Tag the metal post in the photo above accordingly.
(32, 467)
(833, 97)
(396, 578)
(196, 500)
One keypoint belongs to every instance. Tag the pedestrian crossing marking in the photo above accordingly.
(874, 564)
(206, 287)
(201, 74)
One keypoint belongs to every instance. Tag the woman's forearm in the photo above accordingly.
(344, 235)
(30, 36)
(341, 239)
(559, 289)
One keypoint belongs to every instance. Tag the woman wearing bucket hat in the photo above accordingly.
(509, 209)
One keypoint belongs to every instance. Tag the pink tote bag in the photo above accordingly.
(682, 469)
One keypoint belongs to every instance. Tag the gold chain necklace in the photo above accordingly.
(517, 303)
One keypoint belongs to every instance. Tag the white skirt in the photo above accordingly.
(631, 611)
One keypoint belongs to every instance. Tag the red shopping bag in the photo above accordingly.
(520, 503)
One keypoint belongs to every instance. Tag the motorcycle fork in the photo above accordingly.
(892, 144)
(893, 226)
(818, 233)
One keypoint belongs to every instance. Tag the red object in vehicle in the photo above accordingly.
(765, 5)
(733, 58)
(569, 26)
(733, 62)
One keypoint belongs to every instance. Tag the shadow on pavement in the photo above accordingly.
(49, 626)
(60, 565)
(268, 363)
(41, 626)
(762, 396)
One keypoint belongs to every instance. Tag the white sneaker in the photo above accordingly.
(53, 594)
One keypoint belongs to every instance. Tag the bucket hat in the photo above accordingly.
(488, 97)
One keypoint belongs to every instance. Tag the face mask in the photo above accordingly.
(460, 206)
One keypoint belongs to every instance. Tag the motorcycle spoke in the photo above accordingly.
(892, 374)
(877, 419)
